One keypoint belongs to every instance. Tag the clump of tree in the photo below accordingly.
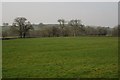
(4, 34)
(77, 27)
(115, 31)
(4, 30)
(62, 26)
(22, 26)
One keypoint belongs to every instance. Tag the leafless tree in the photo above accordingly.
(22, 26)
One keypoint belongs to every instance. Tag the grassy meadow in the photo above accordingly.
(63, 57)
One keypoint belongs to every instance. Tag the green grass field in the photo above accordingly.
(64, 57)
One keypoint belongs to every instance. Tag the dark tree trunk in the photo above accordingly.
(24, 35)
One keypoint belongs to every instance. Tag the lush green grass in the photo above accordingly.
(83, 57)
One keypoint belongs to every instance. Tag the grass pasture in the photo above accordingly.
(64, 57)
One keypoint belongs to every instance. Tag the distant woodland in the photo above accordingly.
(22, 28)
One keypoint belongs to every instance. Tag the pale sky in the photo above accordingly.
(91, 13)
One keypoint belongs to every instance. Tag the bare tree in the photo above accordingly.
(62, 25)
(76, 25)
(22, 26)
(60, 21)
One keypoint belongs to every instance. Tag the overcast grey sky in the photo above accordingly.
(91, 13)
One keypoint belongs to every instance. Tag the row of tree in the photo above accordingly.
(23, 28)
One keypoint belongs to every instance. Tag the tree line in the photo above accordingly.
(22, 28)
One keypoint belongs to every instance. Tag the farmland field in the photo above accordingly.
(63, 57)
